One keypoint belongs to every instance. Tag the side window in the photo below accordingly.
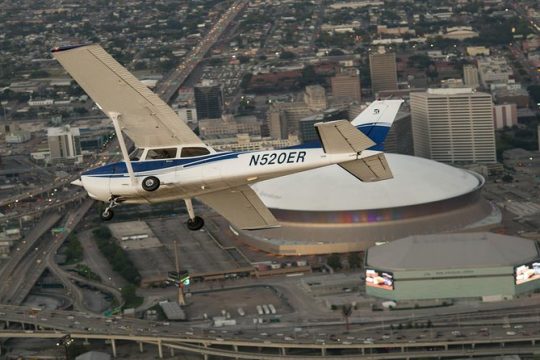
(194, 151)
(136, 155)
(158, 154)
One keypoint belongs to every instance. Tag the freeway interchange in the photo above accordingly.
(518, 336)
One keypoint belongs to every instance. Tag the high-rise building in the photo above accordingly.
(470, 76)
(64, 143)
(283, 117)
(315, 97)
(187, 114)
(505, 115)
(346, 84)
(306, 126)
(208, 100)
(453, 125)
(383, 71)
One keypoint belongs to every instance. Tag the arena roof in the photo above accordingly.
(416, 181)
(450, 251)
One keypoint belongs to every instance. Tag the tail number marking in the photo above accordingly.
(290, 157)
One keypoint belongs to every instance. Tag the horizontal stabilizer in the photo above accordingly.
(242, 207)
(368, 169)
(338, 137)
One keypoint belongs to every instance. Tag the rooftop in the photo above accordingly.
(448, 251)
(416, 181)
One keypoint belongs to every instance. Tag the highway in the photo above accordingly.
(168, 86)
(24, 258)
(246, 349)
(37, 253)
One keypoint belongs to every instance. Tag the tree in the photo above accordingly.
(346, 311)
(287, 55)
(334, 261)
(336, 52)
(73, 250)
(420, 61)
(507, 178)
(354, 260)
(534, 91)
(102, 232)
(130, 296)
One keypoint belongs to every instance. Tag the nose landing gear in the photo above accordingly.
(108, 214)
(195, 222)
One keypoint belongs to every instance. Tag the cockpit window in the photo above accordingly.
(194, 151)
(136, 154)
(157, 154)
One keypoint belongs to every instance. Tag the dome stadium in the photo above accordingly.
(453, 266)
(328, 210)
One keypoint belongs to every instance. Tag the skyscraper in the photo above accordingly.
(346, 84)
(64, 143)
(383, 71)
(470, 76)
(453, 125)
(315, 97)
(208, 100)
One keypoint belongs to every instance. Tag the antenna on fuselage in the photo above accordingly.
(114, 117)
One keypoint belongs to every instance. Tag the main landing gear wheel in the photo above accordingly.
(195, 224)
(150, 183)
(107, 215)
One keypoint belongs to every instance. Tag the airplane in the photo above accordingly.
(170, 163)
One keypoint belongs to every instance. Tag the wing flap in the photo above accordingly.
(341, 137)
(144, 117)
(242, 207)
(369, 169)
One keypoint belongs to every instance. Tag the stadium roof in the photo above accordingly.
(331, 188)
(447, 251)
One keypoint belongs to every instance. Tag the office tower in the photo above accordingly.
(315, 97)
(453, 125)
(64, 143)
(505, 115)
(208, 100)
(470, 76)
(383, 71)
(346, 84)
(306, 126)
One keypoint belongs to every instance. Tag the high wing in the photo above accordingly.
(241, 206)
(144, 117)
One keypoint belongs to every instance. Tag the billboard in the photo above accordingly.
(380, 279)
(527, 272)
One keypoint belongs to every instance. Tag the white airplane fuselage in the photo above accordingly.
(183, 178)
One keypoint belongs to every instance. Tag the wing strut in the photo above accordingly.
(114, 117)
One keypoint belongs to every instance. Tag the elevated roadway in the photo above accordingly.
(168, 86)
(240, 349)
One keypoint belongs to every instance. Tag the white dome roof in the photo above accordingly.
(416, 181)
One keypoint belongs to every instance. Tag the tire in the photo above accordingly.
(150, 183)
(195, 224)
(107, 215)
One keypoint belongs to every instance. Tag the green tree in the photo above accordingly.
(354, 260)
(287, 55)
(74, 250)
(129, 294)
(102, 232)
(334, 261)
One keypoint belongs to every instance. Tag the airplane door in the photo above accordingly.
(211, 175)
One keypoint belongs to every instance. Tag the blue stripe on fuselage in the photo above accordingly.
(119, 168)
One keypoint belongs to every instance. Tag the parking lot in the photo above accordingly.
(198, 252)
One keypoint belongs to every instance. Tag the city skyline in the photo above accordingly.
(441, 260)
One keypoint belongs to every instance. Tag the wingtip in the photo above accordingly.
(67, 47)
